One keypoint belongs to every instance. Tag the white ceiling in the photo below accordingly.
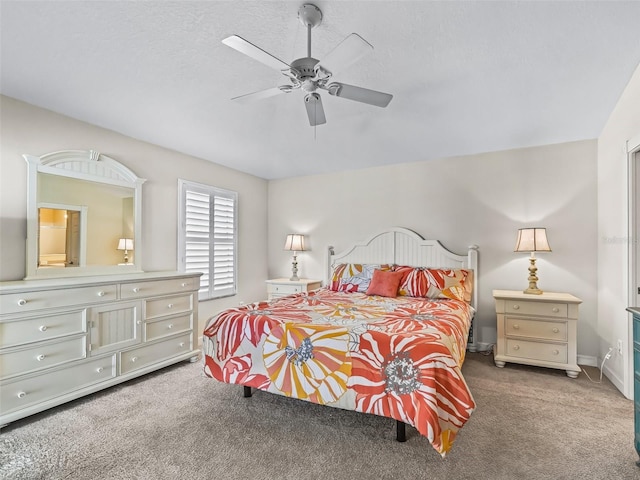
(467, 77)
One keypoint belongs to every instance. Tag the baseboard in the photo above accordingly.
(613, 378)
(588, 360)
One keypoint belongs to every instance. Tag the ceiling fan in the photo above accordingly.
(309, 74)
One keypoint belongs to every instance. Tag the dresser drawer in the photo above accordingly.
(544, 309)
(39, 388)
(157, 287)
(35, 300)
(42, 355)
(46, 327)
(149, 354)
(282, 290)
(169, 326)
(536, 351)
(547, 330)
(168, 305)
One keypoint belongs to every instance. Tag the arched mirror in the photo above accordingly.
(83, 215)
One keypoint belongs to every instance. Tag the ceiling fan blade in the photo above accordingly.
(261, 94)
(249, 49)
(351, 49)
(359, 94)
(313, 102)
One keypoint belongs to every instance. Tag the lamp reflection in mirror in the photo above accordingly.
(294, 243)
(125, 244)
(532, 240)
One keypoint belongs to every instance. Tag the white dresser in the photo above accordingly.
(281, 287)
(65, 338)
(537, 330)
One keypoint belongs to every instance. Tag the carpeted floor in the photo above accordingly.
(530, 423)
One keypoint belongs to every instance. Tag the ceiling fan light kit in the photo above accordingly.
(309, 74)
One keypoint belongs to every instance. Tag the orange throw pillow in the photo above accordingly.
(385, 283)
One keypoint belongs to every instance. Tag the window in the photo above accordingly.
(207, 237)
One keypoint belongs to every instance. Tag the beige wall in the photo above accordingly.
(613, 206)
(479, 199)
(28, 129)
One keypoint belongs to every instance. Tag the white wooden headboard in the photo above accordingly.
(402, 246)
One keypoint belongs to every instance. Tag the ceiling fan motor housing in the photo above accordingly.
(303, 68)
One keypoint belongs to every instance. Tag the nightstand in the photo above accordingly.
(537, 330)
(281, 287)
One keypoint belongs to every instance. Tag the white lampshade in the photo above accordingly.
(125, 244)
(294, 242)
(532, 240)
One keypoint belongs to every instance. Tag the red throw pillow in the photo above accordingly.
(385, 283)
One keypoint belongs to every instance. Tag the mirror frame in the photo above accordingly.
(86, 165)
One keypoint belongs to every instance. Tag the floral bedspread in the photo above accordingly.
(394, 357)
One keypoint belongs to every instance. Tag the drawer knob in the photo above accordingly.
(516, 347)
(139, 322)
(516, 307)
(99, 369)
(516, 327)
(556, 330)
(183, 284)
(22, 302)
(181, 344)
(556, 309)
(40, 357)
(135, 289)
(22, 394)
(43, 328)
(556, 352)
(170, 305)
(134, 359)
(101, 293)
(170, 326)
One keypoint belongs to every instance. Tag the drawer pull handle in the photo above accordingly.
(43, 328)
(40, 357)
(516, 327)
(22, 302)
(22, 394)
(516, 307)
(556, 309)
(101, 293)
(556, 330)
(134, 359)
(99, 369)
(170, 305)
(556, 352)
(135, 289)
(516, 347)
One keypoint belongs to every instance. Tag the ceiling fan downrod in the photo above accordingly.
(310, 16)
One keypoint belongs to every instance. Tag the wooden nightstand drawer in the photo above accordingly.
(548, 330)
(544, 309)
(284, 289)
(281, 287)
(536, 351)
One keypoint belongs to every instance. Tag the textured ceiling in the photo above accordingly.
(467, 77)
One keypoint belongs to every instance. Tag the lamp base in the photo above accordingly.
(533, 291)
(294, 278)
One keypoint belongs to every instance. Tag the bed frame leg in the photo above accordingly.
(247, 392)
(401, 431)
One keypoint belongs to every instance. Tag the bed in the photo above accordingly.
(387, 335)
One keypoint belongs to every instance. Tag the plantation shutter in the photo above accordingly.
(209, 238)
